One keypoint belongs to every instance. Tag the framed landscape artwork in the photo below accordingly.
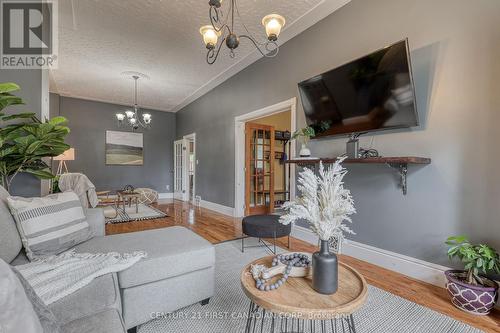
(124, 148)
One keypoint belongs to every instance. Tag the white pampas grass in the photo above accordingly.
(324, 202)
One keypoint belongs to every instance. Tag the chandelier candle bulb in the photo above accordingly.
(210, 36)
(120, 116)
(273, 24)
(130, 114)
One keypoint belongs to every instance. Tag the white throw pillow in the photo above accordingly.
(50, 225)
(16, 312)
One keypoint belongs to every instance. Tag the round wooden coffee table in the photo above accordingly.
(296, 307)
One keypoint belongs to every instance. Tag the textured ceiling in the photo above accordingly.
(99, 39)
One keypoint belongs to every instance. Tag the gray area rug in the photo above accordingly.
(227, 310)
(144, 212)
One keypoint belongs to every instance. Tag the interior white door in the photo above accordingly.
(189, 166)
(179, 166)
(185, 170)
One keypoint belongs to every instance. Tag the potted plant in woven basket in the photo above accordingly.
(470, 291)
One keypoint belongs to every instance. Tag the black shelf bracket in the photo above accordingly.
(402, 170)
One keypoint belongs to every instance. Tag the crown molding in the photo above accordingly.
(92, 99)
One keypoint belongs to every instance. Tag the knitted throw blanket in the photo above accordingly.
(58, 276)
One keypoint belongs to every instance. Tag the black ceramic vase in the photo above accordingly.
(325, 270)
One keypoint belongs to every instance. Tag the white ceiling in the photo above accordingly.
(99, 39)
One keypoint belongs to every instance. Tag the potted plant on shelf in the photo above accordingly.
(25, 140)
(326, 205)
(468, 290)
(304, 135)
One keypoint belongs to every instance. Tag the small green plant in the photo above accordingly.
(55, 185)
(304, 133)
(475, 257)
(25, 140)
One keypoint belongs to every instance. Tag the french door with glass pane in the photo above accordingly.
(179, 179)
(259, 169)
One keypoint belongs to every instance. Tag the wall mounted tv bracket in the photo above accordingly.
(352, 146)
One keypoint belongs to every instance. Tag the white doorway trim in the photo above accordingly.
(239, 149)
(187, 139)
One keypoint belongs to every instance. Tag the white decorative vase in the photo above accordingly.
(304, 151)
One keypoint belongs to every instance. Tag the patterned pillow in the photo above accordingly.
(50, 225)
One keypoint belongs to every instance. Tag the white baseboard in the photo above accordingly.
(205, 204)
(217, 207)
(165, 195)
(412, 267)
(304, 234)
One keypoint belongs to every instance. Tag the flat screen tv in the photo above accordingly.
(371, 93)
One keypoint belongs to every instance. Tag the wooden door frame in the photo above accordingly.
(239, 149)
(248, 168)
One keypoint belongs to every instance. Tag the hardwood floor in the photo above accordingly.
(218, 228)
(211, 225)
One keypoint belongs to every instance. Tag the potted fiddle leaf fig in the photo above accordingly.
(470, 291)
(25, 140)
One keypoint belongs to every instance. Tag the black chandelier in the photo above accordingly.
(131, 117)
(273, 24)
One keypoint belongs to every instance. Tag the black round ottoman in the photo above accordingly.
(265, 226)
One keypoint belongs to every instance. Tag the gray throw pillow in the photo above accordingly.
(10, 241)
(51, 224)
(46, 317)
(16, 311)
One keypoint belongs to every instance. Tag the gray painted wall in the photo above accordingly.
(89, 120)
(455, 51)
(54, 108)
(30, 82)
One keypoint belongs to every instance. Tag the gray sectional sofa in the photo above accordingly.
(179, 271)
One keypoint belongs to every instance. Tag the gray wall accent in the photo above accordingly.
(455, 56)
(89, 120)
(30, 81)
(54, 107)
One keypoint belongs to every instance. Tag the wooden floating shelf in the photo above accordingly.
(399, 163)
(367, 160)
